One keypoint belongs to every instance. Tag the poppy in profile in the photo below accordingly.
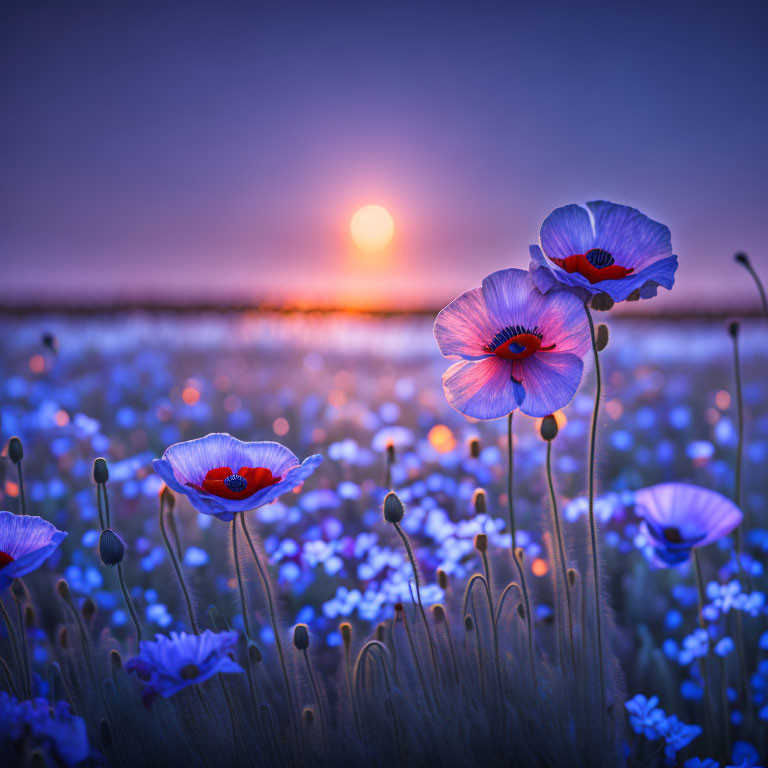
(678, 517)
(26, 542)
(222, 475)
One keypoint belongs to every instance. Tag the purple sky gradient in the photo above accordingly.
(217, 150)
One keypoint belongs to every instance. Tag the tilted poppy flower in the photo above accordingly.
(616, 250)
(519, 348)
(25, 543)
(165, 665)
(678, 517)
(222, 475)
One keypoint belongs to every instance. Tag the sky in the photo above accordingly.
(216, 151)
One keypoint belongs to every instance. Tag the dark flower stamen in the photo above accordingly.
(190, 671)
(673, 535)
(516, 342)
(236, 483)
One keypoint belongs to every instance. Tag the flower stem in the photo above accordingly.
(273, 620)
(760, 289)
(177, 568)
(14, 642)
(25, 650)
(704, 665)
(513, 532)
(592, 526)
(561, 552)
(22, 499)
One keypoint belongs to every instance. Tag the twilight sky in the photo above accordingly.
(217, 150)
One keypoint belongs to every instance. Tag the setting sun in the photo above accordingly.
(372, 227)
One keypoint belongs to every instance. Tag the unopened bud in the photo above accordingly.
(399, 608)
(30, 617)
(308, 716)
(474, 448)
(393, 508)
(481, 542)
(116, 660)
(301, 636)
(549, 428)
(346, 632)
(742, 258)
(15, 450)
(438, 612)
(442, 579)
(111, 547)
(100, 471)
(391, 453)
(634, 296)
(381, 628)
(572, 576)
(520, 610)
(18, 590)
(49, 340)
(733, 328)
(167, 497)
(88, 609)
(63, 589)
(602, 337)
(480, 501)
(64, 638)
(254, 653)
(469, 625)
(602, 302)
(520, 552)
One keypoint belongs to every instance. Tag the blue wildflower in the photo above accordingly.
(701, 762)
(644, 716)
(677, 735)
(167, 664)
(744, 755)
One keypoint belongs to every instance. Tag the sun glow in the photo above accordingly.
(372, 228)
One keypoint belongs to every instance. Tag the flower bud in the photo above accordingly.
(346, 632)
(15, 450)
(63, 589)
(18, 590)
(381, 628)
(742, 258)
(30, 617)
(399, 608)
(88, 608)
(481, 542)
(393, 508)
(116, 660)
(111, 547)
(520, 553)
(521, 610)
(100, 471)
(733, 328)
(49, 340)
(480, 501)
(438, 612)
(301, 636)
(474, 448)
(308, 716)
(391, 453)
(254, 653)
(602, 337)
(572, 576)
(548, 428)
(64, 638)
(634, 296)
(442, 579)
(602, 302)
(469, 625)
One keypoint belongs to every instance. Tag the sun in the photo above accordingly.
(372, 227)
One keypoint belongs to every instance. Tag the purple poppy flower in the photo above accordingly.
(222, 475)
(609, 248)
(165, 665)
(519, 348)
(678, 517)
(25, 543)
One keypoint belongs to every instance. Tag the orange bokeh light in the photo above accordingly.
(37, 363)
(539, 567)
(280, 426)
(441, 438)
(190, 395)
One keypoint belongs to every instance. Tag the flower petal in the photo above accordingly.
(482, 390)
(550, 380)
(464, 327)
(507, 297)
(566, 231)
(628, 235)
(563, 322)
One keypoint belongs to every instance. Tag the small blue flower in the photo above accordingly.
(167, 664)
(26, 542)
(644, 716)
(53, 729)
(677, 735)
(744, 755)
(701, 762)
(724, 647)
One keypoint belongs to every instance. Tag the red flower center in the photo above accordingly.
(225, 483)
(5, 558)
(516, 342)
(596, 265)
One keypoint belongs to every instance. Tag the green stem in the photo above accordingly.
(273, 620)
(592, 526)
(25, 650)
(316, 690)
(760, 289)
(22, 499)
(561, 552)
(129, 603)
(704, 665)
(14, 642)
(177, 568)
(513, 532)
